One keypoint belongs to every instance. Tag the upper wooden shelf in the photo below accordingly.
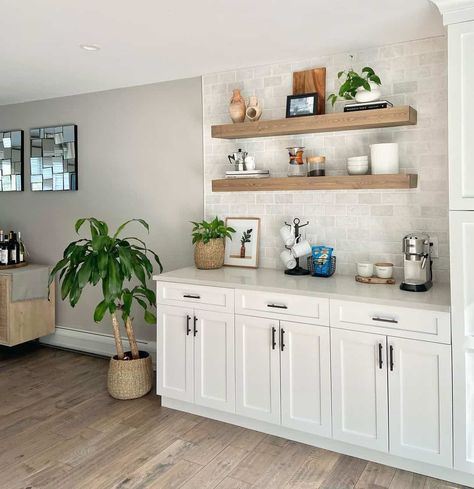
(337, 121)
(353, 182)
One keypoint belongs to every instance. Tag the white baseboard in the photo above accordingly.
(90, 342)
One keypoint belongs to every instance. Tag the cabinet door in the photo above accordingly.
(174, 364)
(305, 378)
(461, 115)
(462, 311)
(214, 369)
(359, 388)
(420, 396)
(257, 368)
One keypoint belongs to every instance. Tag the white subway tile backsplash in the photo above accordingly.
(361, 225)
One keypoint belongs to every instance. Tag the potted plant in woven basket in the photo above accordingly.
(208, 238)
(120, 265)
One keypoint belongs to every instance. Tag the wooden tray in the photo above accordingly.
(374, 280)
(17, 265)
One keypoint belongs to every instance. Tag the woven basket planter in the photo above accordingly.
(210, 255)
(130, 379)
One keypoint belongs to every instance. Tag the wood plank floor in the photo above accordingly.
(59, 429)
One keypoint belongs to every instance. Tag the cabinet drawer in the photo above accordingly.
(390, 320)
(273, 305)
(200, 296)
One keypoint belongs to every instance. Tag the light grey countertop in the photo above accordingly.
(336, 287)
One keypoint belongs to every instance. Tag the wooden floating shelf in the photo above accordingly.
(338, 121)
(350, 182)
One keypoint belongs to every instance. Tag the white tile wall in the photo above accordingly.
(361, 225)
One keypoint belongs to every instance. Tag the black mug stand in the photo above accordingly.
(298, 271)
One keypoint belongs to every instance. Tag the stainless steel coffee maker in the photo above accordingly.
(417, 263)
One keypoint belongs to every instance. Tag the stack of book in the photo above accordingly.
(247, 174)
(377, 104)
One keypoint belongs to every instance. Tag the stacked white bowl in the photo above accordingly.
(358, 165)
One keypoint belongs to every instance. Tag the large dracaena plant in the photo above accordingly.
(114, 262)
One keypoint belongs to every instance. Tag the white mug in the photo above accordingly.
(303, 248)
(288, 259)
(287, 235)
(365, 269)
(250, 162)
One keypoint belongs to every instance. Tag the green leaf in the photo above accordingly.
(100, 311)
(67, 283)
(149, 317)
(78, 224)
(99, 242)
(84, 273)
(122, 226)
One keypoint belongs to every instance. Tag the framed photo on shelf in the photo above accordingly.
(301, 105)
(242, 250)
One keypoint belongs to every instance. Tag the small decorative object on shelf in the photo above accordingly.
(301, 105)
(384, 158)
(11, 161)
(237, 107)
(296, 248)
(296, 165)
(208, 238)
(243, 253)
(238, 159)
(362, 87)
(254, 109)
(316, 166)
(310, 81)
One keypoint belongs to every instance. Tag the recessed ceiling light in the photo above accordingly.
(90, 47)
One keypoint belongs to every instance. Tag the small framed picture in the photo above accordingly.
(301, 105)
(242, 249)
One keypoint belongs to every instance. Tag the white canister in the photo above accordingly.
(384, 158)
(365, 269)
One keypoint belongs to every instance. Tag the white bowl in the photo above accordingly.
(358, 171)
(357, 165)
(357, 158)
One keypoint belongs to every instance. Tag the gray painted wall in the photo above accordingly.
(140, 155)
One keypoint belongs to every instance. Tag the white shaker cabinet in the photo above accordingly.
(305, 378)
(195, 358)
(359, 388)
(461, 115)
(257, 357)
(420, 400)
(175, 355)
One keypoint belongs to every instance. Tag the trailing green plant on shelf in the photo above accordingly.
(355, 82)
(204, 231)
(120, 265)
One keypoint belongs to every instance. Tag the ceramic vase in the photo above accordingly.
(254, 109)
(237, 107)
(363, 95)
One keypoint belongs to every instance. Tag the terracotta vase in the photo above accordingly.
(254, 109)
(237, 107)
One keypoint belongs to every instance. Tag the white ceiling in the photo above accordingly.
(145, 41)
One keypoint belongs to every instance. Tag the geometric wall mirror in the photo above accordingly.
(11, 161)
(53, 158)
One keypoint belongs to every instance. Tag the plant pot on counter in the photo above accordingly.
(209, 256)
(130, 379)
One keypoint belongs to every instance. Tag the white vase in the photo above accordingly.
(371, 95)
(254, 109)
(384, 158)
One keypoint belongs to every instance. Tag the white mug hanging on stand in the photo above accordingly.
(287, 234)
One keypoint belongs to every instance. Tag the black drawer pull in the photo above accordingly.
(282, 337)
(278, 306)
(380, 356)
(191, 296)
(391, 358)
(385, 320)
(273, 337)
(195, 326)
(188, 328)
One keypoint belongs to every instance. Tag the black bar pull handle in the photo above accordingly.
(278, 306)
(384, 320)
(391, 358)
(188, 328)
(195, 326)
(191, 296)
(274, 337)
(380, 355)
(282, 337)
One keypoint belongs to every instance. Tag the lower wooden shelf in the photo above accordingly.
(348, 182)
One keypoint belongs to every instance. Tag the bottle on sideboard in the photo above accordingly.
(12, 248)
(3, 249)
(21, 249)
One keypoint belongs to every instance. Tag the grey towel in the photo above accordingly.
(28, 283)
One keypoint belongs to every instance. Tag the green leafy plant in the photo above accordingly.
(205, 231)
(246, 237)
(113, 262)
(353, 82)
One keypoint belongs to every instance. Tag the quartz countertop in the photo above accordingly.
(336, 287)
